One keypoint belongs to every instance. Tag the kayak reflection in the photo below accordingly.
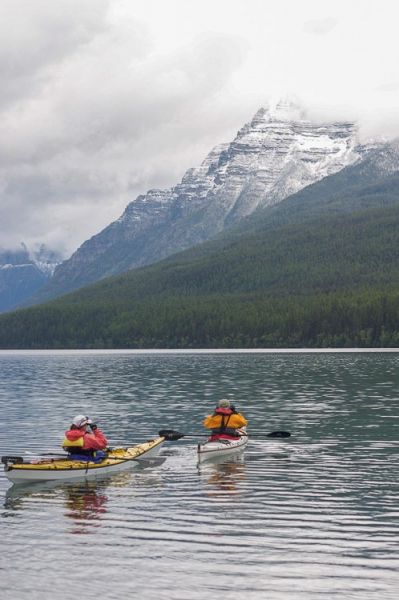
(222, 476)
(84, 503)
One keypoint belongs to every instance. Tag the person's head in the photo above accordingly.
(224, 403)
(80, 421)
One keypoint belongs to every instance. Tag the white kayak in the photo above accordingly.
(64, 469)
(222, 447)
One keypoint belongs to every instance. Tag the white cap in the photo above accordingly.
(80, 421)
(224, 403)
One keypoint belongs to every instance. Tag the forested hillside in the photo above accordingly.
(276, 154)
(321, 269)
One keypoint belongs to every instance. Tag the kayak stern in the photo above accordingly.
(62, 469)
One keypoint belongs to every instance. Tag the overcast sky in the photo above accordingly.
(102, 100)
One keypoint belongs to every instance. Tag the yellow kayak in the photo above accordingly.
(60, 469)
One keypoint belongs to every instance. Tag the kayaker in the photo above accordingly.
(79, 441)
(225, 421)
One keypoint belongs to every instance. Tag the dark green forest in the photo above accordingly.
(302, 278)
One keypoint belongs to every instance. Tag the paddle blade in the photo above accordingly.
(279, 434)
(170, 435)
(145, 463)
(16, 460)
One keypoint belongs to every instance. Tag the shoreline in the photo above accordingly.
(123, 351)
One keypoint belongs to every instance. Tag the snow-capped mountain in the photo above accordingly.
(275, 155)
(23, 272)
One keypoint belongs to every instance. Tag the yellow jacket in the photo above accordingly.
(232, 421)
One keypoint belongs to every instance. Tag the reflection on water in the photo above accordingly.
(85, 503)
(222, 476)
(316, 514)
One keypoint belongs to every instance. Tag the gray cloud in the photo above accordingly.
(36, 36)
(104, 99)
(92, 127)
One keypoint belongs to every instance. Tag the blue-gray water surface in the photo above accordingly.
(314, 516)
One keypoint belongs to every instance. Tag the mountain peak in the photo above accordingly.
(275, 155)
(281, 110)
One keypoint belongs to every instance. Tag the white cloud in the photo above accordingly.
(320, 26)
(104, 99)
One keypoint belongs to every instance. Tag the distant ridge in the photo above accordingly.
(23, 272)
(278, 153)
(318, 269)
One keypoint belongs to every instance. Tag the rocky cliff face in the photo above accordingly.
(22, 273)
(278, 153)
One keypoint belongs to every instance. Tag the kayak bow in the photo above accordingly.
(60, 469)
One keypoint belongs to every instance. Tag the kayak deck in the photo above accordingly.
(221, 447)
(58, 469)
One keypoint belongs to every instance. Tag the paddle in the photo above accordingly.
(172, 436)
(156, 461)
(12, 460)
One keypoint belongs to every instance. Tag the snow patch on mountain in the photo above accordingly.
(276, 154)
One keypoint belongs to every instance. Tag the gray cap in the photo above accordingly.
(80, 421)
(224, 403)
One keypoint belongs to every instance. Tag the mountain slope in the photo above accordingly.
(328, 278)
(276, 154)
(369, 183)
(22, 273)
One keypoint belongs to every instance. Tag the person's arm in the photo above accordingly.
(211, 422)
(237, 420)
(95, 440)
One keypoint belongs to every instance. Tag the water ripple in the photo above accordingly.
(316, 513)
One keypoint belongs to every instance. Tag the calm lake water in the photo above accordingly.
(315, 516)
